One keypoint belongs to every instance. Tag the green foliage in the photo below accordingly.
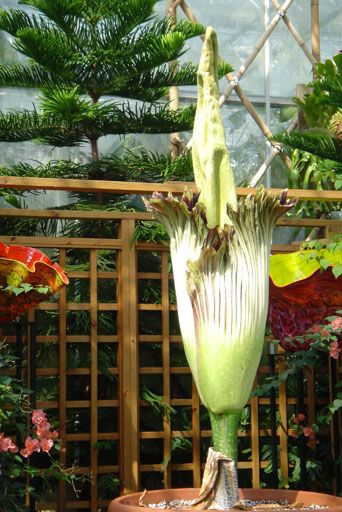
(157, 403)
(24, 288)
(80, 52)
(317, 151)
(16, 469)
(318, 252)
(149, 231)
(315, 142)
(178, 444)
(108, 485)
(322, 339)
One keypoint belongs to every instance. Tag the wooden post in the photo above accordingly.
(301, 90)
(129, 376)
(282, 431)
(93, 377)
(62, 380)
(255, 439)
(196, 436)
(166, 364)
(315, 35)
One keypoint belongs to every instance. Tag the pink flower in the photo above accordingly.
(324, 332)
(31, 445)
(38, 417)
(46, 444)
(54, 434)
(337, 323)
(298, 419)
(316, 328)
(43, 429)
(307, 431)
(7, 445)
(334, 350)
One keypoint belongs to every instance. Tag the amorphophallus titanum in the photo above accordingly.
(302, 294)
(220, 251)
(27, 277)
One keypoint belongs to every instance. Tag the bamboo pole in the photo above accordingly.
(238, 90)
(174, 90)
(315, 36)
(257, 48)
(296, 34)
(276, 150)
(62, 307)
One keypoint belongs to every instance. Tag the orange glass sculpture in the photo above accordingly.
(301, 295)
(20, 266)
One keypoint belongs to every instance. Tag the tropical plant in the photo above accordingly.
(102, 68)
(317, 150)
(220, 255)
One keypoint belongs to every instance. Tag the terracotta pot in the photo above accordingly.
(130, 503)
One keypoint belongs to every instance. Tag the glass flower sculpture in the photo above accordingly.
(220, 251)
(27, 277)
(302, 295)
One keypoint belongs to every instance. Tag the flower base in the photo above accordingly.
(300, 500)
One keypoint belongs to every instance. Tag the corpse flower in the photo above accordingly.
(27, 277)
(302, 295)
(220, 256)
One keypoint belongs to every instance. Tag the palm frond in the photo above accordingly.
(331, 89)
(320, 144)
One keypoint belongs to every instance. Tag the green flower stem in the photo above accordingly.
(225, 433)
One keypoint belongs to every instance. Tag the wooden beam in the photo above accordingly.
(69, 243)
(126, 187)
(73, 214)
(100, 215)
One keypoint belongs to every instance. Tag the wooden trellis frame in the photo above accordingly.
(127, 338)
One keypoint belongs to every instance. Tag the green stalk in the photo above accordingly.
(225, 433)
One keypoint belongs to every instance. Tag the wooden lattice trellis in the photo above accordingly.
(90, 412)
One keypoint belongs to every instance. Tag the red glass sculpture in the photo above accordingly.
(301, 295)
(24, 265)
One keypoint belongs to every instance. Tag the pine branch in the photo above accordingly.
(318, 144)
(15, 20)
(27, 125)
(121, 19)
(152, 85)
(135, 165)
(19, 75)
(68, 120)
(130, 11)
(153, 118)
(51, 49)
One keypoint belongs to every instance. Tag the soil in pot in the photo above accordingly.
(177, 500)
